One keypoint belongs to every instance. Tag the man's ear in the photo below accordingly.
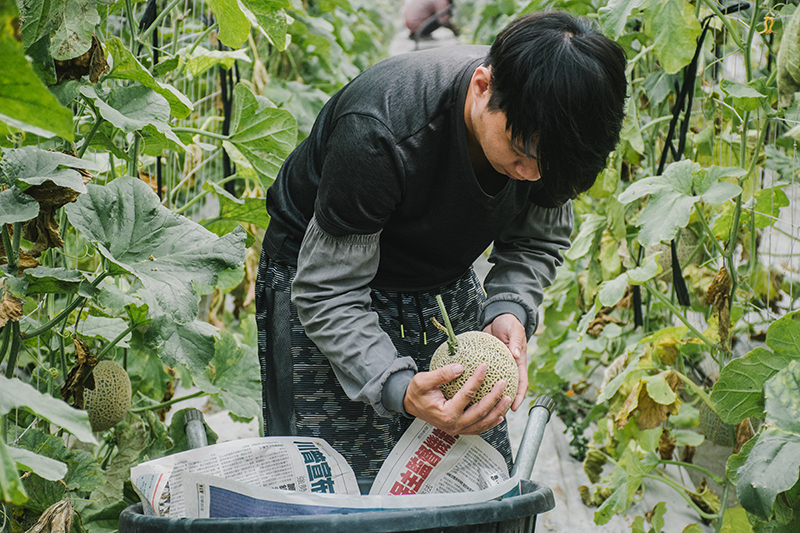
(481, 84)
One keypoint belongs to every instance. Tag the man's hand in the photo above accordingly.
(424, 400)
(508, 329)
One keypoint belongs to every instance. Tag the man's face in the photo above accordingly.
(506, 155)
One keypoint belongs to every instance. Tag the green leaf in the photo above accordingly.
(738, 393)
(631, 131)
(38, 464)
(614, 16)
(659, 390)
(166, 252)
(783, 335)
(25, 102)
(613, 290)
(83, 472)
(263, 133)
(744, 96)
(11, 488)
(613, 386)
(673, 195)
(658, 516)
(44, 280)
(234, 211)
(737, 460)
(190, 345)
(99, 327)
(789, 61)
(271, 16)
(137, 108)
(201, 59)
(16, 206)
(127, 67)
(617, 502)
(735, 521)
(693, 528)
(233, 24)
(15, 394)
(782, 399)
(644, 273)
(675, 30)
(130, 441)
(773, 466)
(232, 377)
(75, 20)
(32, 166)
(592, 227)
(687, 437)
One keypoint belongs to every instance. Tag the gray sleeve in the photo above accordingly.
(332, 297)
(525, 257)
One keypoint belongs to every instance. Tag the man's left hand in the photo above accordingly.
(509, 330)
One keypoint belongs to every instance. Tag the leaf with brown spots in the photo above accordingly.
(56, 519)
(666, 445)
(653, 398)
(77, 378)
(10, 307)
(719, 297)
(91, 63)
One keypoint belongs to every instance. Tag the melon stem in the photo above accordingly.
(452, 342)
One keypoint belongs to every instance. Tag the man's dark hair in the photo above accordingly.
(562, 87)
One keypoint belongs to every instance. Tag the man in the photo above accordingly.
(416, 13)
(410, 172)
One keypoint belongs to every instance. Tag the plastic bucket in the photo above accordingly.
(511, 515)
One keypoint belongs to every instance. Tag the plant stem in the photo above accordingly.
(133, 152)
(5, 333)
(712, 5)
(677, 312)
(683, 492)
(748, 63)
(113, 343)
(145, 35)
(131, 25)
(11, 256)
(452, 342)
(722, 506)
(708, 230)
(699, 391)
(16, 340)
(88, 138)
(716, 479)
(63, 314)
(202, 132)
(203, 194)
(162, 405)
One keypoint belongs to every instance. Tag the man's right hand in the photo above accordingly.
(425, 400)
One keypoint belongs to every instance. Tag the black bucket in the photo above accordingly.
(511, 515)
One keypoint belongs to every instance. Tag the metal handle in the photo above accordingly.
(195, 428)
(538, 416)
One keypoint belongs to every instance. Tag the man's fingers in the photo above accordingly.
(440, 376)
(489, 412)
(469, 390)
(522, 387)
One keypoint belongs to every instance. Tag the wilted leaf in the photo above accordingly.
(10, 307)
(666, 445)
(706, 500)
(75, 20)
(91, 63)
(653, 397)
(56, 519)
(166, 252)
(77, 378)
(719, 298)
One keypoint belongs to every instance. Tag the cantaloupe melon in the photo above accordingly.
(110, 400)
(472, 349)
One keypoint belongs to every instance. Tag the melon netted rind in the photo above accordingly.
(714, 428)
(474, 348)
(110, 400)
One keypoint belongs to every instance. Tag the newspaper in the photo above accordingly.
(213, 497)
(428, 461)
(288, 476)
(304, 465)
